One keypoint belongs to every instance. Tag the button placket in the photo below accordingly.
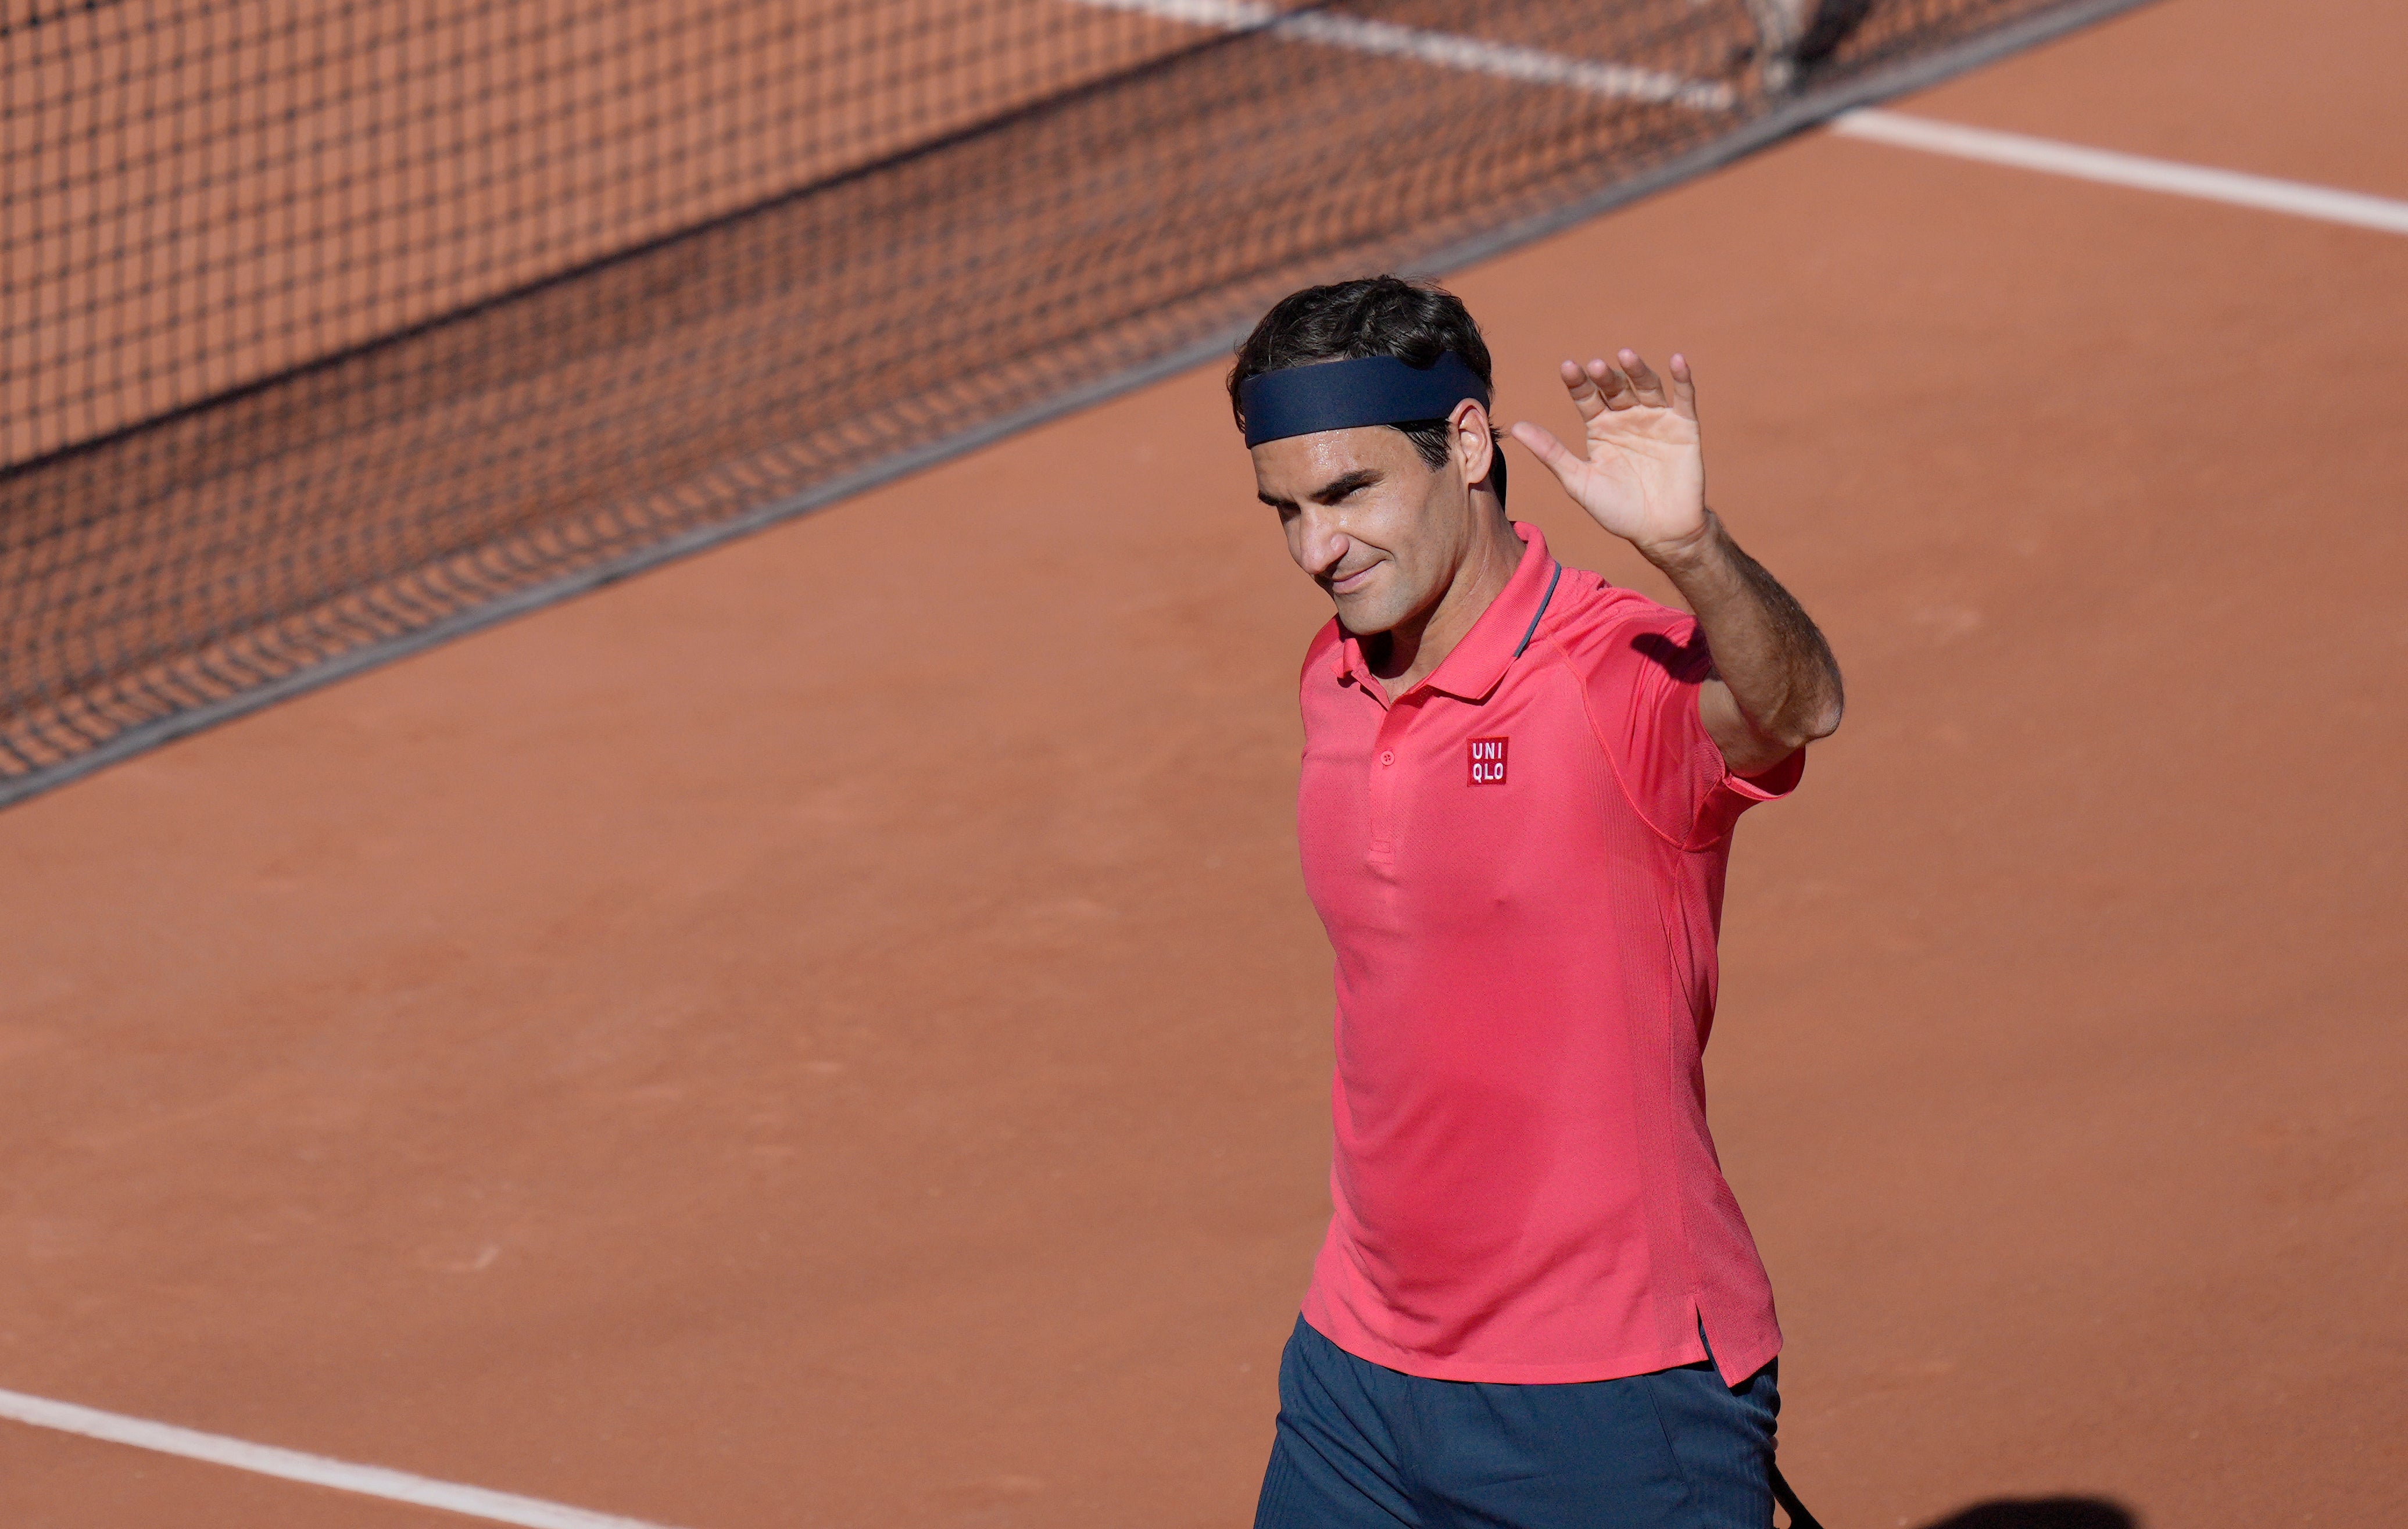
(1385, 768)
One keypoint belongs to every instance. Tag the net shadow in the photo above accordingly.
(1166, 183)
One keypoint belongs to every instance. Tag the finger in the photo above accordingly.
(1612, 385)
(1644, 382)
(1583, 389)
(1540, 442)
(1684, 387)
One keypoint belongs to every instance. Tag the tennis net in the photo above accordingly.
(334, 328)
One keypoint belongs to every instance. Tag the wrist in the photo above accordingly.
(1686, 554)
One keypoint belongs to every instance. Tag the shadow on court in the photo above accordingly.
(2040, 1513)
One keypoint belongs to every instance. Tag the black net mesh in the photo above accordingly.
(324, 324)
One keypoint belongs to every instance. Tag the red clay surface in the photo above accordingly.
(403, 161)
(830, 1034)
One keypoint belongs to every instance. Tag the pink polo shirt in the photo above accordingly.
(1520, 864)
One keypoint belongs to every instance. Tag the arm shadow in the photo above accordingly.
(2040, 1513)
(1686, 661)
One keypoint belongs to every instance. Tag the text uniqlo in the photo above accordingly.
(1487, 762)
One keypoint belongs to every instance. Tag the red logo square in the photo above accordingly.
(1487, 757)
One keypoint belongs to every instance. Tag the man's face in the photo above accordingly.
(1377, 528)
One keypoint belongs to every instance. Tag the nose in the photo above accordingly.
(1320, 544)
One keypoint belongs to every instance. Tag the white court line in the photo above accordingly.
(2263, 193)
(292, 1466)
(1535, 66)
(1444, 49)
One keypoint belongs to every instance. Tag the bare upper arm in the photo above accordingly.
(1747, 749)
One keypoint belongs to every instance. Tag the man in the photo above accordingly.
(1795, 37)
(1538, 1304)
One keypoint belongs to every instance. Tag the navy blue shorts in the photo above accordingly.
(1364, 1446)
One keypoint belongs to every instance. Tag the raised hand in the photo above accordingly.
(1642, 475)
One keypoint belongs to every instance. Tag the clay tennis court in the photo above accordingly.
(830, 1032)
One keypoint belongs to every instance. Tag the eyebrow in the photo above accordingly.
(1330, 493)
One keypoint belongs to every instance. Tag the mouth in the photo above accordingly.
(1349, 584)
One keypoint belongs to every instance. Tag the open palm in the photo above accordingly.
(1644, 476)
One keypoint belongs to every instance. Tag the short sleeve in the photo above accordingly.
(1643, 702)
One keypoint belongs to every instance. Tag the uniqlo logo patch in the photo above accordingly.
(1487, 762)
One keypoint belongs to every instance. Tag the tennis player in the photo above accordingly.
(1538, 1304)
(1794, 37)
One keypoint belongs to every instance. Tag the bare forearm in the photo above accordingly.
(1783, 684)
(1644, 479)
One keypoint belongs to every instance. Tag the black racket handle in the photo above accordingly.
(1788, 1498)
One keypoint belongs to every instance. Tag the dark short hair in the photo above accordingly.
(1415, 321)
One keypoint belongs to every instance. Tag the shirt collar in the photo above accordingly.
(1480, 659)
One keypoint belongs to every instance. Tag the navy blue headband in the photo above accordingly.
(1343, 395)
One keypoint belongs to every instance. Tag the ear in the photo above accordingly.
(1474, 441)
